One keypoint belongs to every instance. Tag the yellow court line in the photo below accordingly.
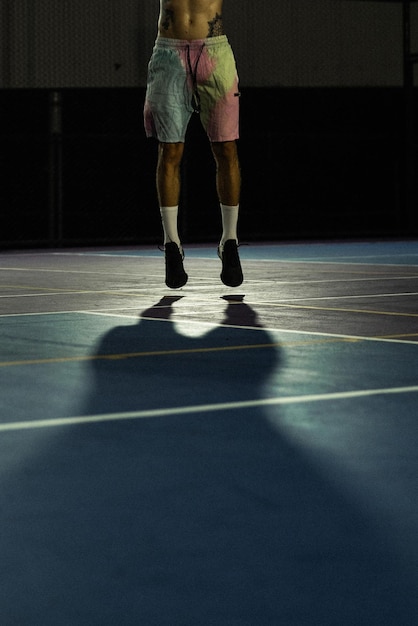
(344, 310)
(135, 355)
(401, 336)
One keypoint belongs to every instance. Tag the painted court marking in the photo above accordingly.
(205, 408)
(42, 292)
(113, 313)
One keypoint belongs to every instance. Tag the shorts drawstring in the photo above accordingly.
(193, 75)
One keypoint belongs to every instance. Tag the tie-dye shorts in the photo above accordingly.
(192, 76)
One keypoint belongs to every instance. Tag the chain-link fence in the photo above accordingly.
(74, 43)
(292, 43)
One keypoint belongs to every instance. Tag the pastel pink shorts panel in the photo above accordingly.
(192, 76)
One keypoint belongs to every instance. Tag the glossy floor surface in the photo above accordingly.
(210, 456)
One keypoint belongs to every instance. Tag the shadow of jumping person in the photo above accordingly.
(151, 365)
(201, 518)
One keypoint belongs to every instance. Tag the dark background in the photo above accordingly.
(325, 140)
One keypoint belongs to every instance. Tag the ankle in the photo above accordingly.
(229, 223)
(169, 216)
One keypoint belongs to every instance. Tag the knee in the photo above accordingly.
(225, 153)
(170, 154)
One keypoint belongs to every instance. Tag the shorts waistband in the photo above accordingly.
(175, 44)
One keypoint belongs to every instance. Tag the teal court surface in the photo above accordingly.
(210, 456)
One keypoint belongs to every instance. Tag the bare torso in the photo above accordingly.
(190, 19)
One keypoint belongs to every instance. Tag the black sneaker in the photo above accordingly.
(231, 274)
(175, 276)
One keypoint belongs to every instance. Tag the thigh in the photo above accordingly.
(219, 96)
(167, 104)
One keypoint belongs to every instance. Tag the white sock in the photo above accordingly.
(169, 215)
(229, 223)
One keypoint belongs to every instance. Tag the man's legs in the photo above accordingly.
(228, 180)
(228, 177)
(168, 189)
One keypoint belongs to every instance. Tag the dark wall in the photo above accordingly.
(316, 162)
(107, 43)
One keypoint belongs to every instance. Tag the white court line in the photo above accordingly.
(366, 264)
(57, 271)
(129, 291)
(204, 408)
(356, 258)
(44, 270)
(290, 331)
(376, 278)
(137, 292)
(345, 259)
(177, 320)
(344, 297)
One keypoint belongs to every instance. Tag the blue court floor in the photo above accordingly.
(210, 456)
